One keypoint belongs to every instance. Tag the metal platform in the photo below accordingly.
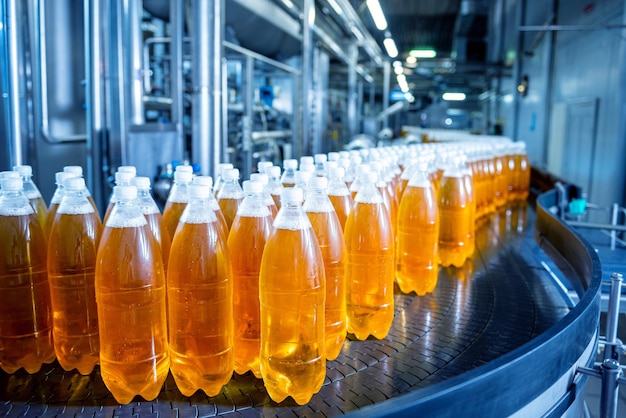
(479, 335)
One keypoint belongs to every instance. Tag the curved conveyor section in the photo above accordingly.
(495, 338)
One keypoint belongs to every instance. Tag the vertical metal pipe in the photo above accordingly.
(177, 25)
(248, 101)
(96, 175)
(308, 10)
(517, 69)
(386, 81)
(135, 68)
(353, 56)
(611, 372)
(15, 93)
(207, 51)
(612, 317)
(614, 215)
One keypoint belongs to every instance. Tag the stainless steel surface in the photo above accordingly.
(177, 31)
(307, 93)
(353, 56)
(16, 91)
(133, 43)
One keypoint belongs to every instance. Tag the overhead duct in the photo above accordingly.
(470, 30)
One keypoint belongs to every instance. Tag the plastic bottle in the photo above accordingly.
(302, 179)
(130, 293)
(32, 193)
(293, 358)
(230, 195)
(269, 201)
(147, 205)
(501, 176)
(72, 249)
(25, 314)
(208, 182)
(221, 168)
(320, 165)
(246, 243)
(200, 300)
(339, 195)
(78, 172)
(274, 185)
(371, 269)
(329, 234)
(122, 178)
(418, 236)
(290, 166)
(468, 179)
(453, 202)
(57, 196)
(264, 166)
(360, 173)
(521, 176)
(176, 200)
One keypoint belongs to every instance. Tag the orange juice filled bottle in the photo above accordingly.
(130, 293)
(293, 358)
(339, 195)
(267, 197)
(320, 165)
(122, 178)
(151, 212)
(207, 181)
(230, 195)
(57, 196)
(330, 238)
(25, 313)
(32, 192)
(371, 270)
(360, 173)
(246, 242)
(176, 200)
(418, 235)
(454, 217)
(71, 273)
(287, 179)
(200, 300)
(274, 186)
(468, 179)
(501, 176)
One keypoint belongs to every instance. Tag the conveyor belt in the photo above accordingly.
(500, 300)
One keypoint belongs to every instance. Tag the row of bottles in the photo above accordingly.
(286, 284)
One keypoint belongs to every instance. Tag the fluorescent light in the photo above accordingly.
(391, 48)
(398, 69)
(411, 60)
(335, 7)
(377, 14)
(423, 53)
(456, 97)
(404, 86)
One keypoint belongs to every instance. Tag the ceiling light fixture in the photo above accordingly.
(390, 46)
(404, 86)
(411, 60)
(453, 97)
(335, 6)
(377, 14)
(398, 69)
(423, 53)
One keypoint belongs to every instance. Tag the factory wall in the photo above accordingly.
(572, 116)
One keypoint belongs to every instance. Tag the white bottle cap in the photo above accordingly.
(206, 181)
(336, 172)
(274, 171)
(232, 174)
(12, 184)
(199, 191)
(333, 156)
(264, 165)
(9, 175)
(291, 194)
(371, 177)
(74, 169)
(60, 176)
(261, 178)
(320, 158)
(183, 176)
(252, 186)
(306, 159)
(318, 183)
(184, 168)
(74, 183)
(127, 169)
(293, 164)
(307, 167)
(24, 170)
(126, 192)
(302, 175)
(224, 166)
(123, 177)
(141, 183)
